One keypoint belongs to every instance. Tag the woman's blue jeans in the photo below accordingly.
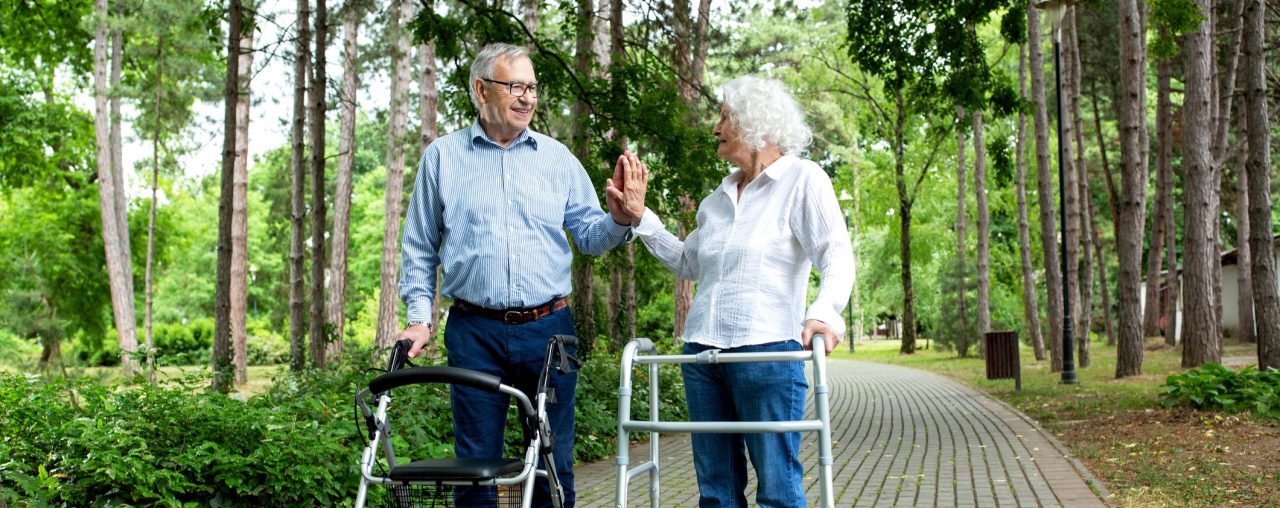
(764, 391)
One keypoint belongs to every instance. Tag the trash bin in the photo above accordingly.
(1002, 357)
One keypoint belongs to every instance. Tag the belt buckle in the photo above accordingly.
(512, 317)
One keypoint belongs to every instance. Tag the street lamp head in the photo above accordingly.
(1055, 9)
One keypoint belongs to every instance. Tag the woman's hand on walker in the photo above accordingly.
(814, 326)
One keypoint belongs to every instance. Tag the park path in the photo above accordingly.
(900, 437)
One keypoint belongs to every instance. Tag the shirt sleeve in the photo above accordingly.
(821, 230)
(679, 256)
(593, 229)
(420, 245)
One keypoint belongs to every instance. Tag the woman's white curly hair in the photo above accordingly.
(766, 113)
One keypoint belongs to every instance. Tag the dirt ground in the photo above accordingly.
(1150, 457)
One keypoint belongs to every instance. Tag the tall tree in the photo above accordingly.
(1070, 200)
(117, 154)
(1030, 308)
(240, 216)
(1044, 171)
(583, 302)
(297, 186)
(337, 296)
(962, 221)
(1133, 183)
(388, 325)
(1084, 205)
(623, 288)
(319, 339)
(1262, 246)
(221, 357)
(1201, 330)
(118, 271)
(1164, 177)
(428, 104)
(984, 229)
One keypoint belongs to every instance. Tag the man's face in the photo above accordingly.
(500, 111)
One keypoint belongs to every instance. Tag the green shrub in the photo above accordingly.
(297, 444)
(1217, 388)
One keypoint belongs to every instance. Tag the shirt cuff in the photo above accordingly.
(617, 230)
(419, 311)
(649, 224)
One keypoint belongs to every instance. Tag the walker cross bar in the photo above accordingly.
(639, 352)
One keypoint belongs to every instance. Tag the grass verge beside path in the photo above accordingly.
(1146, 454)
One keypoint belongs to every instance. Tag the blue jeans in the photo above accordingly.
(765, 391)
(515, 354)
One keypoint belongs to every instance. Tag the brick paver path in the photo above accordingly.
(900, 437)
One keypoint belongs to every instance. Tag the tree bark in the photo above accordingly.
(984, 231)
(962, 221)
(240, 217)
(1030, 308)
(117, 155)
(1084, 215)
(1097, 239)
(1200, 331)
(1164, 168)
(1244, 259)
(530, 9)
(1069, 175)
(151, 208)
(1044, 168)
(1133, 186)
(319, 338)
(428, 102)
(1262, 245)
(297, 185)
(337, 296)
(904, 242)
(388, 323)
(583, 303)
(223, 374)
(118, 273)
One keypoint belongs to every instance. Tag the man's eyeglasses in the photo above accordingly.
(517, 89)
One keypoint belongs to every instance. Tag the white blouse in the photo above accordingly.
(751, 256)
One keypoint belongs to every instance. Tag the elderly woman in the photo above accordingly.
(758, 235)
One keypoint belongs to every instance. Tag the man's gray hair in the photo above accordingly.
(766, 113)
(482, 66)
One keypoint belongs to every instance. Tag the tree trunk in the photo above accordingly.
(904, 220)
(1030, 308)
(337, 296)
(984, 231)
(118, 271)
(1044, 171)
(151, 209)
(1097, 239)
(1244, 259)
(1200, 331)
(1133, 187)
(319, 81)
(962, 221)
(1164, 167)
(583, 303)
(530, 8)
(1084, 319)
(223, 374)
(1266, 301)
(121, 194)
(388, 323)
(702, 41)
(240, 217)
(1071, 195)
(1226, 94)
(428, 102)
(297, 185)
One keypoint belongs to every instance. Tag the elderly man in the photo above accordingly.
(490, 205)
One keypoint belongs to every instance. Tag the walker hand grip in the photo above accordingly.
(644, 345)
(426, 375)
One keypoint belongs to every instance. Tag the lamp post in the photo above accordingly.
(1056, 9)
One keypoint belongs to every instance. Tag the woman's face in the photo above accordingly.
(730, 146)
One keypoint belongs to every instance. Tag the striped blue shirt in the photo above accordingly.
(495, 219)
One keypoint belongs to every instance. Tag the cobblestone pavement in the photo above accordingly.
(900, 437)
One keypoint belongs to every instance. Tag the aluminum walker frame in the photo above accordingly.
(634, 354)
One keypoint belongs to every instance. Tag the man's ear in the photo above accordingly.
(477, 86)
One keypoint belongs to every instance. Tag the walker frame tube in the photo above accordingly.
(632, 356)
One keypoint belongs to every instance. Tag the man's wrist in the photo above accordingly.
(417, 323)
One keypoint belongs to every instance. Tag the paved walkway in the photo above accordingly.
(900, 437)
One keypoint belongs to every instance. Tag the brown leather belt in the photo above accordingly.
(513, 316)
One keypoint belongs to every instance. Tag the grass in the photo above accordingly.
(1146, 454)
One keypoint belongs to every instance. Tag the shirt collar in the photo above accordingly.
(774, 172)
(526, 135)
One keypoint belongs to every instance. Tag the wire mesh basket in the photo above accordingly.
(448, 496)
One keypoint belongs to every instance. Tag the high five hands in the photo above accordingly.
(624, 193)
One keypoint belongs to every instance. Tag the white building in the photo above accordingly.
(1230, 291)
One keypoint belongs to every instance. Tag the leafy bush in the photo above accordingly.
(76, 443)
(1217, 388)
